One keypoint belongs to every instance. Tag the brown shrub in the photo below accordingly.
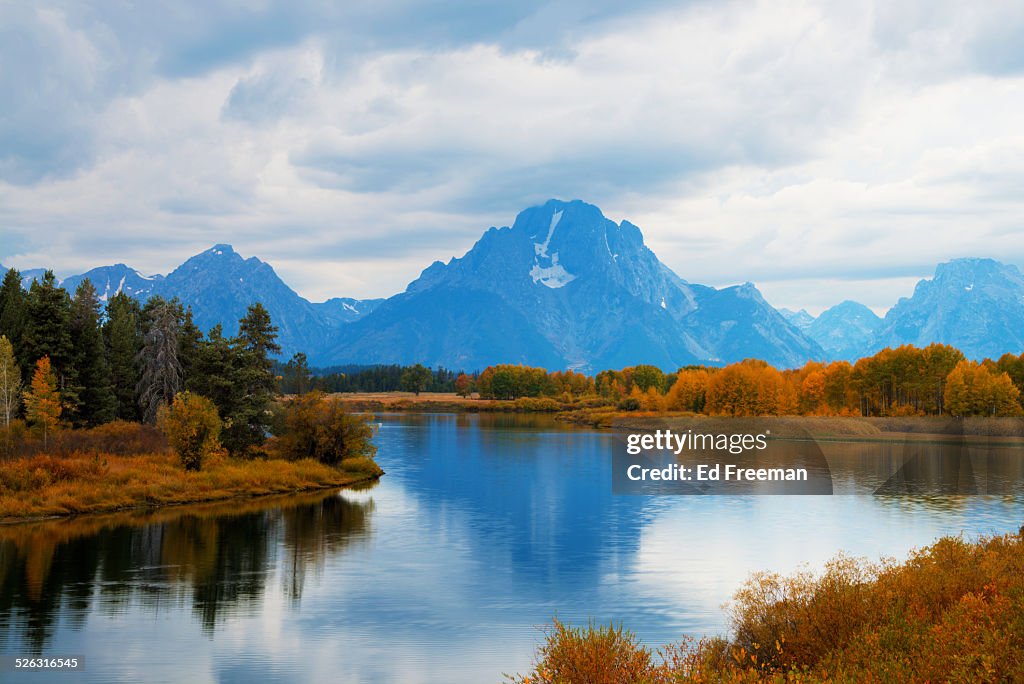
(952, 612)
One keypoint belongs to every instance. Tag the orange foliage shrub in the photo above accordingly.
(952, 612)
(192, 427)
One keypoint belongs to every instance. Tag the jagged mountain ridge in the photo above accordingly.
(219, 285)
(846, 331)
(976, 305)
(566, 287)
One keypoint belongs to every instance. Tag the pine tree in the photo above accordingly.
(97, 403)
(13, 305)
(161, 368)
(122, 333)
(10, 382)
(47, 332)
(190, 337)
(297, 377)
(43, 401)
(254, 382)
(213, 369)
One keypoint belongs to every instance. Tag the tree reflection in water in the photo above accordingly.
(219, 557)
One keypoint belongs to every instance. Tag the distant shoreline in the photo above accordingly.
(1008, 431)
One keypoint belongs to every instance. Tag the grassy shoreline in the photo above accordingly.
(844, 428)
(43, 486)
(949, 612)
(1009, 431)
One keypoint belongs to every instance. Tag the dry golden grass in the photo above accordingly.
(91, 483)
(846, 428)
(953, 612)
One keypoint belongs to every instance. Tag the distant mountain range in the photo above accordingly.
(565, 287)
(976, 305)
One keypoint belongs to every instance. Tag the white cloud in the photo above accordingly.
(818, 149)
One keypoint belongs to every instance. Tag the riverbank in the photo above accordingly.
(583, 412)
(47, 486)
(951, 612)
(847, 428)
(440, 402)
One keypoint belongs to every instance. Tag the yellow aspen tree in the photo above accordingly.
(42, 401)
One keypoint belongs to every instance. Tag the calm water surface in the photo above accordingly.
(483, 528)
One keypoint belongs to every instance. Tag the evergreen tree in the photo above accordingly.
(47, 333)
(161, 368)
(43, 401)
(10, 382)
(297, 376)
(13, 305)
(254, 382)
(212, 373)
(189, 339)
(122, 333)
(97, 403)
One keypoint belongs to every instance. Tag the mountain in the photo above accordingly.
(565, 287)
(976, 305)
(801, 320)
(220, 285)
(846, 331)
(338, 310)
(26, 276)
(109, 280)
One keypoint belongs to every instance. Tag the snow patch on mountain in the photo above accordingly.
(541, 248)
(553, 276)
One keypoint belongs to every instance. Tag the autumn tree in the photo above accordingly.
(937, 361)
(192, 427)
(320, 428)
(10, 381)
(463, 385)
(748, 388)
(689, 391)
(1013, 366)
(646, 377)
(570, 385)
(812, 390)
(42, 401)
(973, 390)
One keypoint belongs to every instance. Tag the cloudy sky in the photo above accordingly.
(823, 150)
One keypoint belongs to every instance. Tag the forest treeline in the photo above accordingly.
(905, 381)
(70, 360)
(297, 378)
